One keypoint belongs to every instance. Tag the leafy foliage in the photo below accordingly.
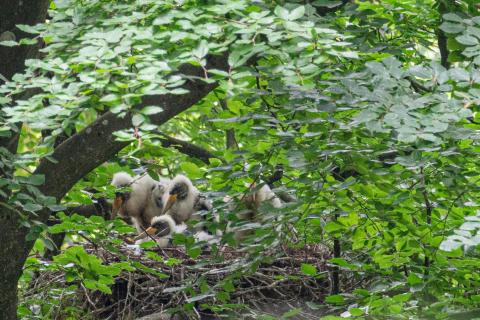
(374, 136)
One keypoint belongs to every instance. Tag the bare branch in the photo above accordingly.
(187, 148)
(230, 139)
(442, 39)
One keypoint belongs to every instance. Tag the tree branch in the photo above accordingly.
(442, 39)
(230, 139)
(187, 148)
(87, 149)
(325, 9)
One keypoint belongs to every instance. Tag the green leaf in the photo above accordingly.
(28, 41)
(333, 226)
(467, 40)
(327, 3)
(113, 36)
(162, 19)
(308, 269)
(414, 279)
(291, 313)
(356, 312)
(296, 13)
(110, 98)
(191, 170)
(28, 29)
(403, 297)
(9, 43)
(35, 179)
(281, 12)
(194, 252)
(90, 284)
(33, 207)
(137, 119)
(449, 27)
(452, 17)
(450, 245)
(151, 110)
(179, 91)
(202, 50)
(103, 288)
(335, 299)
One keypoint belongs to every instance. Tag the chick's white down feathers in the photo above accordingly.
(164, 220)
(121, 179)
(145, 197)
(266, 194)
(182, 209)
(154, 205)
(148, 197)
(253, 201)
(173, 228)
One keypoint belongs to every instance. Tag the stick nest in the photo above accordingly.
(268, 288)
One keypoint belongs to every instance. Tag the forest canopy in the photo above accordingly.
(359, 116)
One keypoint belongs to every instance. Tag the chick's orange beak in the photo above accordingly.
(151, 231)
(116, 205)
(171, 200)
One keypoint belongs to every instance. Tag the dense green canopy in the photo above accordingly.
(360, 114)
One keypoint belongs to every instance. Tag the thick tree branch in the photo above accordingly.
(187, 148)
(95, 144)
(89, 148)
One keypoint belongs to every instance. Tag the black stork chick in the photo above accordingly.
(144, 202)
(161, 230)
(252, 203)
(182, 199)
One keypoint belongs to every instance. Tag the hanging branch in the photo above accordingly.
(230, 139)
(442, 38)
(337, 251)
(428, 208)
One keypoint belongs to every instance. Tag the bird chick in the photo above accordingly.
(154, 205)
(252, 202)
(143, 202)
(163, 227)
(182, 199)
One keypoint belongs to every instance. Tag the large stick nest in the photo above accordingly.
(272, 288)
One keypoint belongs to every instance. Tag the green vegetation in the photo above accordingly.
(361, 115)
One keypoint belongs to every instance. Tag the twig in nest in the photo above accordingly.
(88, 297)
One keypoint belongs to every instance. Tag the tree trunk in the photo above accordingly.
(12, 257)
(13, 246)
(13, 12)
